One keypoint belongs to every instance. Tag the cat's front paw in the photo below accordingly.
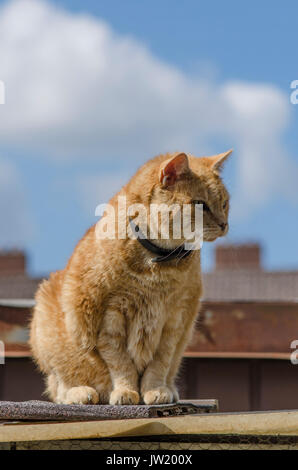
(81, 396)
(124, 396)
(158, 395)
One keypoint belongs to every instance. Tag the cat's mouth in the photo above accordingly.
(217, 224)
(212, 232)
(225, 229)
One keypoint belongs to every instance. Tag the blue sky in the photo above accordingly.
(94, 88)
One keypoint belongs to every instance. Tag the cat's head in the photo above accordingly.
(185, 179)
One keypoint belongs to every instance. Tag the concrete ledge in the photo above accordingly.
(268, 423)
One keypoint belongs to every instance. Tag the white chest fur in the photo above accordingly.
(145, 329)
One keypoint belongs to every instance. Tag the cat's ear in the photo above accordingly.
(217, 161)
(173, 169)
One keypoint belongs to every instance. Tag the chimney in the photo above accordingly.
(240, 256)
(12, 263)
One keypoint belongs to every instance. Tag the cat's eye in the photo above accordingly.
(205, 206)
(225, 204)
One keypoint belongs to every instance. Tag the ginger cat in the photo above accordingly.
(113, 325)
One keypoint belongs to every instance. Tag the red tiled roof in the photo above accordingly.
(18, 287)
(219, 286)
(250, 285)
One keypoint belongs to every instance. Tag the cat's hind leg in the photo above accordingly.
(51, 387)
(60, 393)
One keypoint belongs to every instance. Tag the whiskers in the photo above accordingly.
(189, 254)
(177, 249)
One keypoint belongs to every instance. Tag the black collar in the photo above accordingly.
(164, 254)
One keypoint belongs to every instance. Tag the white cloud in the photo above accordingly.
(98, 189)
(257, 116)
(76, 88)
(16, 220)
